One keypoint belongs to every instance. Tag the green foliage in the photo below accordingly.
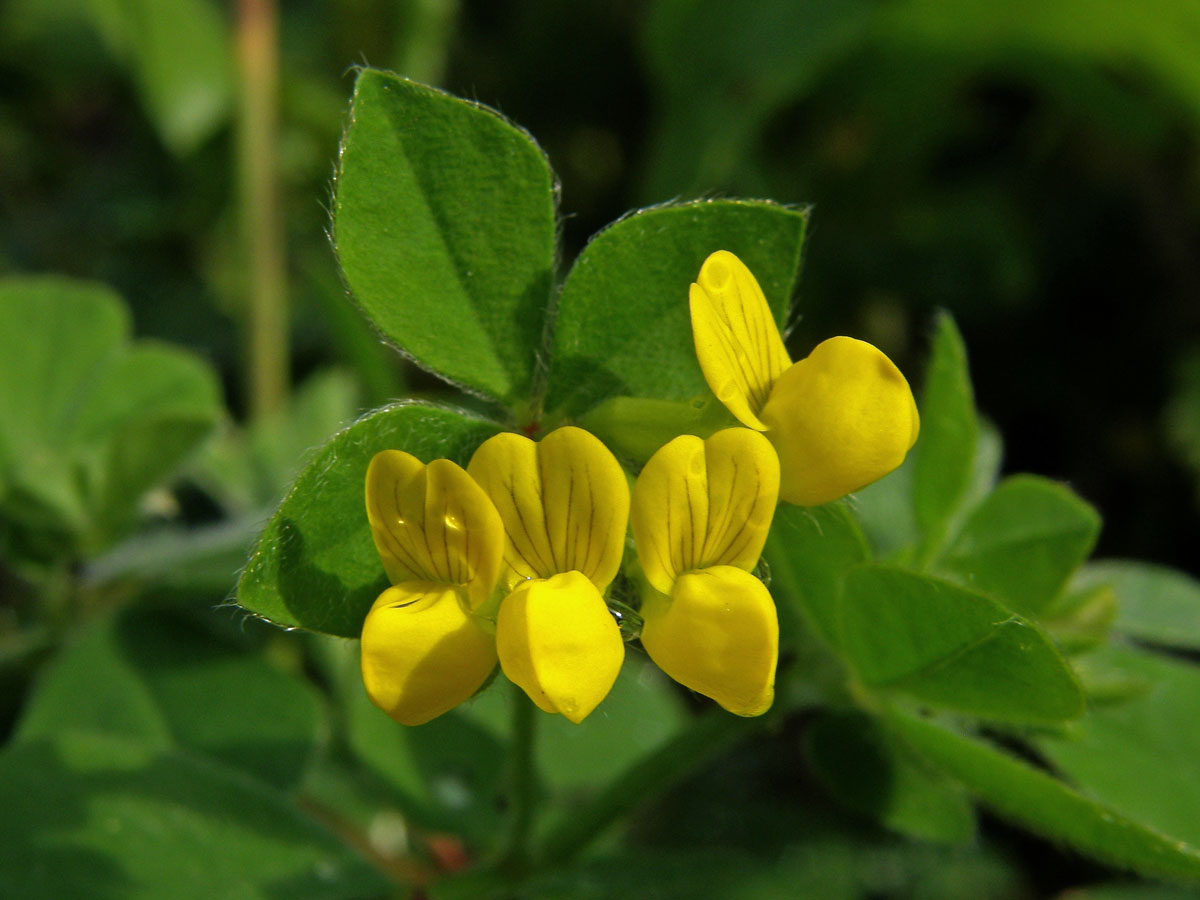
(153, 679)
(622, 326)
(145, 741)
(1154, 603)
(177, 55)
(444, 224)
(180, 58)
(944, 458)
(810, 551)
(1023, 542)
(88, 421)
(940, 631)
(315, 565)
(951, 647)
(869, 770)
(96, 815)
(962, 617)
(1017, 790)
(1139, 756)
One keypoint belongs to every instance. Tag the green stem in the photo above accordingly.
(708, 735)
(515, 857)
(258, 113)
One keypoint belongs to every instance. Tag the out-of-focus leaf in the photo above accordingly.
(1141, 756)
(873, 773)
(444, 225)
(1023, 542)
(1154, 603)
(108, 817)
(247, 470)
(92, 686)
(1017, 791)
(623, 327)
(952, 647)
(315, 565)
(149, 678)
(89, 422)
(945, 451)
(809, 550)
(1158, 37)
(181, 61)
(146, 413)
(639, 715)
(445, 774)
(1081, 619)
(831, 863)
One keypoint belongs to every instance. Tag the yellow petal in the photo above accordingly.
(737, 342)
(701, 503)
(839, 419)
(717, 634)
(433, 523)
(564, 502)
(423, 653)
(558, 641)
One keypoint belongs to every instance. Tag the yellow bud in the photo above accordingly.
(718, 634)
(558, 641)
(839, 419)
(423, 653)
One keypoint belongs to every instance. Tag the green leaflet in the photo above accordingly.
(1017, 791)
(1140, 756)
(1023, 542)
(953, 648)
(444, 225)
(809, 551)
(945, 452)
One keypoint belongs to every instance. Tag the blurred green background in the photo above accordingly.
(1034, 167)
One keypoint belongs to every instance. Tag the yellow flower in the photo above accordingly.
(564, 502)
(701, 511)
(840, 419)
(425, 649)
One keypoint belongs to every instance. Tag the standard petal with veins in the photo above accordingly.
(700, 503)
(737, 341)
(423, 652)
(564, 502)
(717, 634)
(433, 523)
(558, 641)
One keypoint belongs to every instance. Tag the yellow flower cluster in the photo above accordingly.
(509, 560)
